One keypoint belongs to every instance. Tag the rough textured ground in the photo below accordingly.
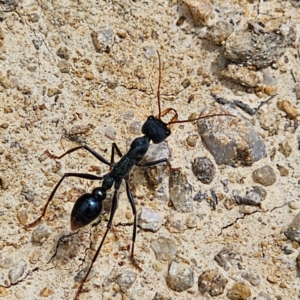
(98, 90)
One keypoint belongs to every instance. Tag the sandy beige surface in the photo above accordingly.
(100, 92)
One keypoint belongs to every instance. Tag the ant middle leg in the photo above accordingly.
(152, 163)
(85, 147)
(79, 175)
(133, 208)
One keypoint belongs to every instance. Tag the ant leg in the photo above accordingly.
(152, 163)
(80, 175)
(87, 148)
(113, 149)
(131, 201)
(108, 226)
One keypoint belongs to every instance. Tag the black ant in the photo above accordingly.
(89, 206)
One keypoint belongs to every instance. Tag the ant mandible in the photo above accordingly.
(89, 206)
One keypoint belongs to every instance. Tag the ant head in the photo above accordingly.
(156, 130)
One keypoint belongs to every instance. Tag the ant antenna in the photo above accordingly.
(175, 120)
(202, 117)
(158, 88)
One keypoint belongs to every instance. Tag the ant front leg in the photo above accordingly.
(108, 227)
(114, 148)
(79, 175)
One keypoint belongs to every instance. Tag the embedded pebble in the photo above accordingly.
(157, 266)
(180, 275)
(159, 296)
(155, 174)
(231, 139)
(263, 296)
(246, 209)
(264, 176)
(4, 81)
(269, 80)
(293, 231)
(149, 220)
(268, 121)
(126, 280)
(40, 233)
(3, 291)
(89, 76)
(129, 114)
(110, 132)
(252, 277)
(212, 282)
(33, 17)
(298, 261)
(22, 216)
(202, 11)
(219, 32)
(17, 271)
(262, 46)
(192, 139)
(242, 76)
(164, 248)
(293, 205)
(285, 148)
(253, 197)
(10, 5)
(103, 39)
(3, 181)
(174, 224)
(20, 294)
(64, 66)
(204, 169)
(37, 43)
(1, 33)
(28, 193)
(200, 196)
(290, 110)
(180, 191)
(297, 90)
(239, 291)
(81, 273)
(191, 221)
(53, 92)
(229, 203)
(63, 53)
(135, 127)
(46, 292)
(283, 171)
(223, 258)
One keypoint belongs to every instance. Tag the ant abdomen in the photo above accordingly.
(87, 208)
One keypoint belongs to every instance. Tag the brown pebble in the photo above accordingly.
(264, 175)
(45, 292)
(192, 140)
(53, 91)
(285, 148)
(272, 279)
(283, 171)
(270, 90)
(22, 216)
(240, 291)
(290, 110)
(3, 291)
(89, 76)
(4, 125)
